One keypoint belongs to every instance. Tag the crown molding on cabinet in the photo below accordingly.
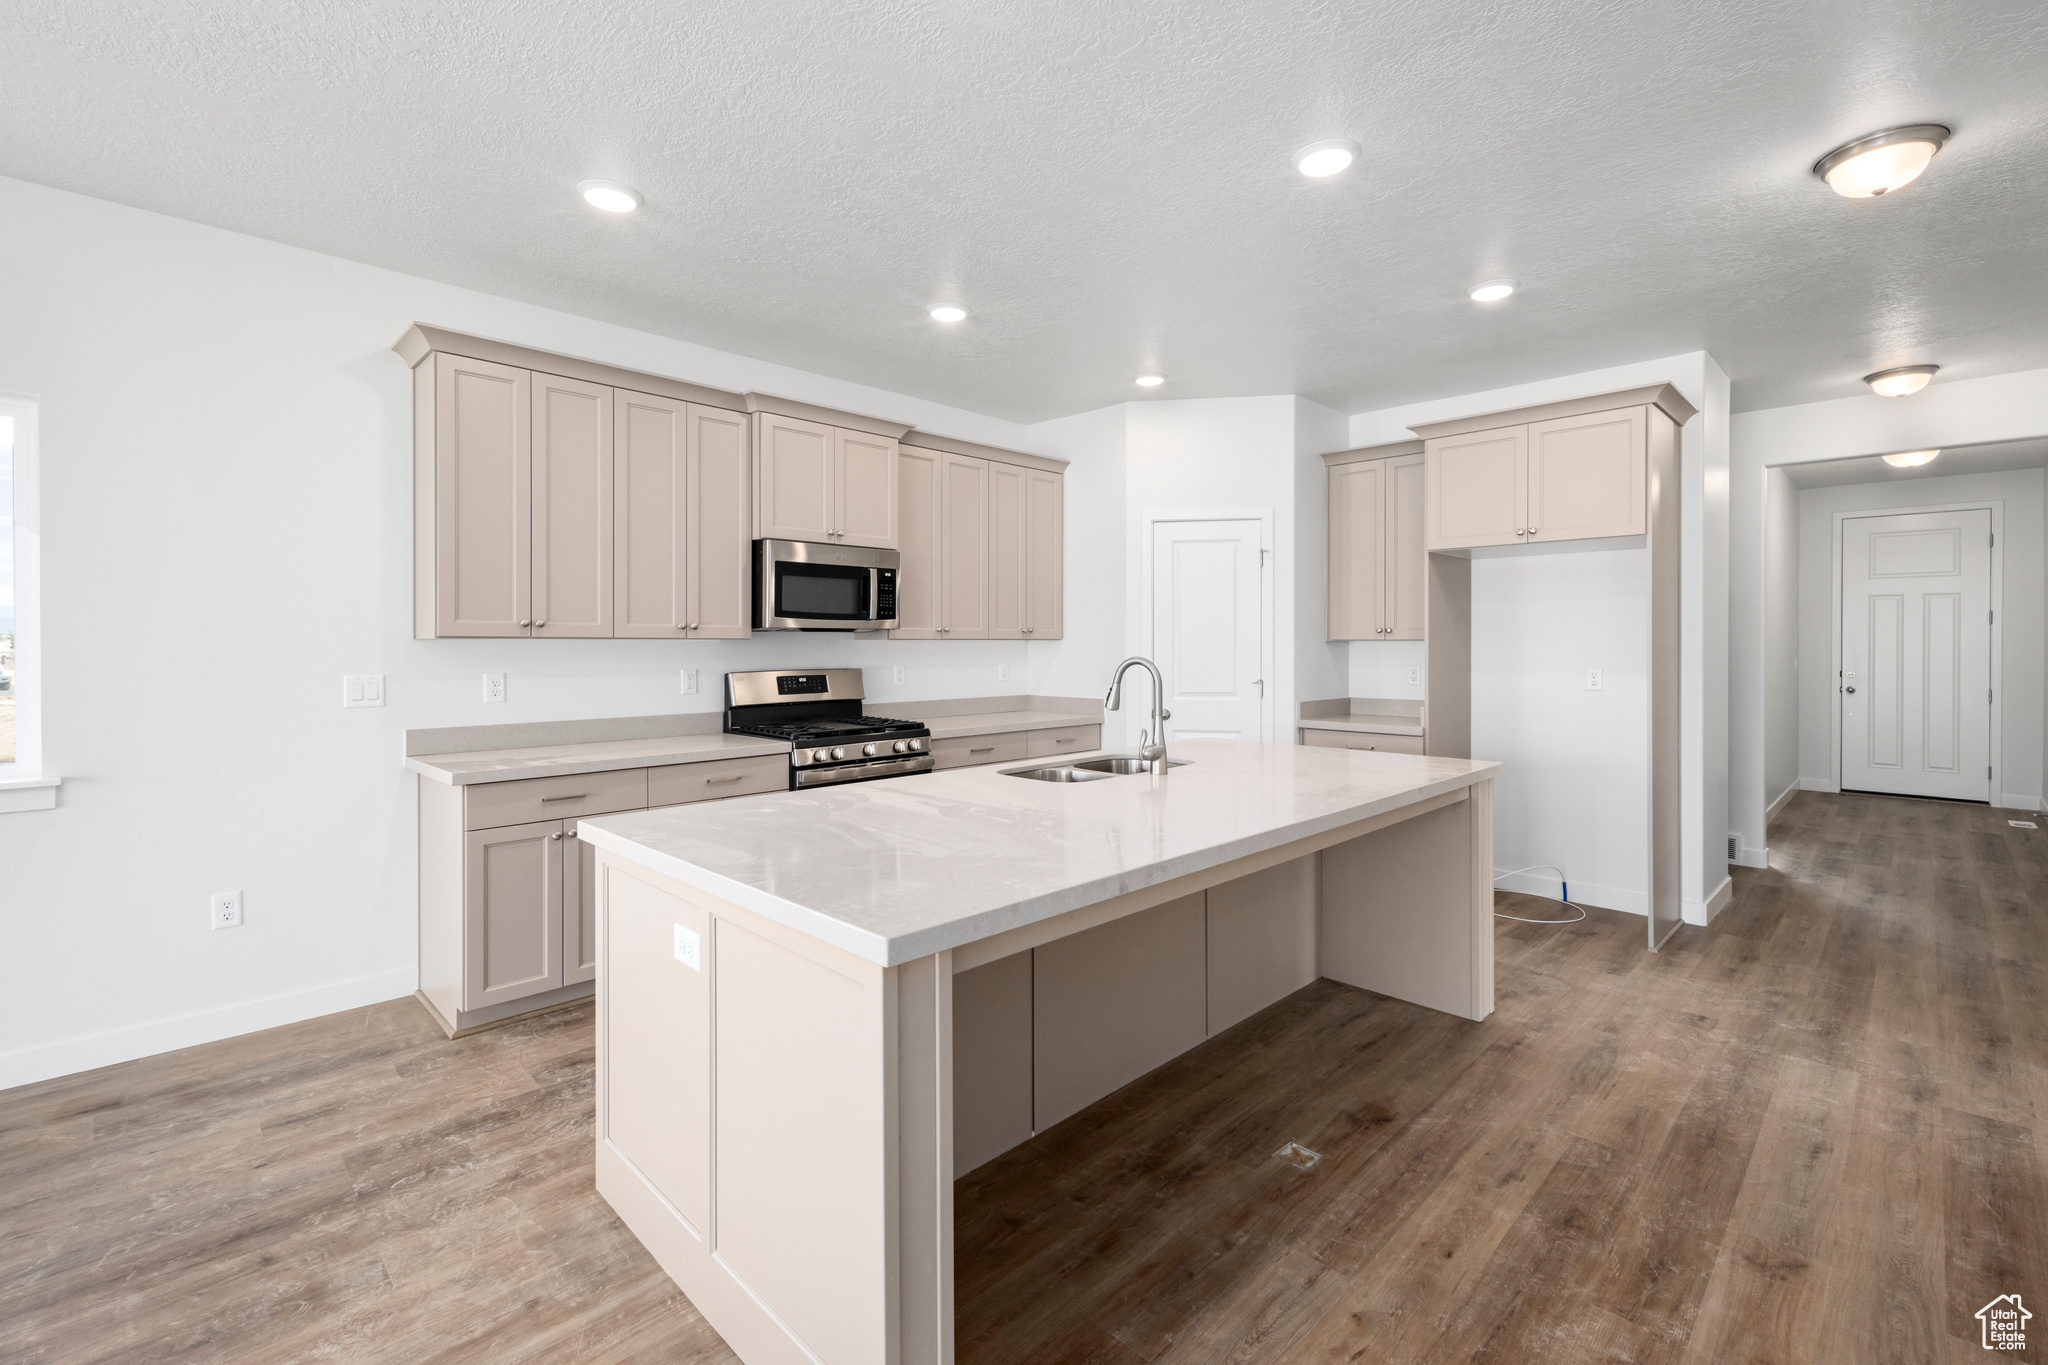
(925, 440)
(1379, 452)
(421, 341)
(1662, 396)
(831, 417)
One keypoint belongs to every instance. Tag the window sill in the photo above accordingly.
(28, 793)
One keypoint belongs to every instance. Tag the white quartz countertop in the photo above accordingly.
(1367, 725)
(896, 870)
(562, 760)
(1001, 722)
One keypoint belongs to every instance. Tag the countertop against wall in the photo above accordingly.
(1363, 715)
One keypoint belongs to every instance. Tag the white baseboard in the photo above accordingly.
(1819, 784)
(1746, 856)
(2018, 801)
(1696, 913)
(1583, 893)
(67, 1056)
(1771, 811)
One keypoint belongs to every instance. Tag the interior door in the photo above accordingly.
(1916, 654)
(1207, 629)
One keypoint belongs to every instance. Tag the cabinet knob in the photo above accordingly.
(526, 623)
(540, 625)
(556, 835)
(1532, 530)
(681, 626)
(691, 626)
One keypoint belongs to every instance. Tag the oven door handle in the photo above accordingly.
(857, 772)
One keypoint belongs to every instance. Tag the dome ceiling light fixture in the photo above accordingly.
(1325, 158)
(1493, 291)
(1149, 381)
(947, 312)
(1882, 162)
(1901, 380)
(1910, 459)
(609, 195)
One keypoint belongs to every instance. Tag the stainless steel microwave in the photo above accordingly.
(805, 585)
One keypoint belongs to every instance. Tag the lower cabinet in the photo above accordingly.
(1013, 746)
(512, 913)
(1354, 739)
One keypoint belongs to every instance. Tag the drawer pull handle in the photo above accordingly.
(1069, 740)
(573, 796)
(989, 750)
(736, 777)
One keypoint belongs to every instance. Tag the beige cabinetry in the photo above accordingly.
(920, 611)
(1377, 563)
(983, 543)
(1358, 739)
(1577, 476)
(1044, 549)
(572, 508)
(681, 515)
(1014, 746)
(1025, 546)
(508, 910)
(822, 483)
(473, 498)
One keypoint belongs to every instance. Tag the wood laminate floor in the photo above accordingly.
(1814, 1132)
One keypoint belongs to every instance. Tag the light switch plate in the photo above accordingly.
(362, 689)
(224, 909)
(689, 682)
(686, 948)
(1592, 680)
(494, 687)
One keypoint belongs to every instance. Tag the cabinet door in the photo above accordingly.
(793, 460)
(1044, 536)
(579, 907)
(864, 489)
(483, 498)
(1009, 555)
(920, 517)
(650, 516)
(1589, 476)
(1357, 551)
(1407, 563)
(1477, 488)
(572, 508)
(963, 573)
(512, 913)
(717, 548)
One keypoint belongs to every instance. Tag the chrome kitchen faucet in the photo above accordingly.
(1152, 742)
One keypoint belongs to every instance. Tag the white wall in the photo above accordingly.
(1780, 652)
(1079, 664)
(226, 450)
(1321, 665)
(1704, 453)
(2021, 616)
(1382, 668)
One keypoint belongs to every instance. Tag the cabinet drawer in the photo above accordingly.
(1353, 739)
(968, 750)
(1075, 739)
(676, 784)
(555, 798)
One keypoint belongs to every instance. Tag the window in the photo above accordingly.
(24, 785)
(9, 666)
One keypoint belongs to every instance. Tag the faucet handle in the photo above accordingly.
(1144, 738)
(1164, 715)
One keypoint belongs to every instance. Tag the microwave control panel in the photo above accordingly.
(885, 594)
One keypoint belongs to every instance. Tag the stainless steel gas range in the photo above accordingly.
(819, 712)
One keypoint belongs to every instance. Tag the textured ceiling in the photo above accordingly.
(1107, 185)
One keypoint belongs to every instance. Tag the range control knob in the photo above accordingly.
(839, 753)
(819, 756)
(916, 746)
(901, 746)
(867, 751)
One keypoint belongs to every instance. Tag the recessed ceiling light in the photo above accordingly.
(946, 312)
(609, 195)
(1882, 162)
(1493, 291)
(1910, 459)
(1897, 383)
(1150, 381)
(1319, 159)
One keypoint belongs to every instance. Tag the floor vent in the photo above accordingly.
(2022, 824)
(1299, 1157)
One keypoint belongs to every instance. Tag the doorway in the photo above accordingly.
(1209, 628)
(1917, 637)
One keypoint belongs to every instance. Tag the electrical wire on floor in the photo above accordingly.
(1563, 898)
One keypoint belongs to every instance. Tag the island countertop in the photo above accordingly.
(895, 870)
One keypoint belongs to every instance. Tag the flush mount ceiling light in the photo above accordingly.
(1897, 383)
(1320, 159)
(1493, 291)
(1882, 162)
(609, 195)
(946, 312)
(1149, 381)
(1910, 459)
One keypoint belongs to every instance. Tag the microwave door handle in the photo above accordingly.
(874, 611)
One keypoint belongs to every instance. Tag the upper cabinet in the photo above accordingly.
(982, 541)
(681, 514)
(572, 508)
(472, 498)
(1377, 562)
(824, 483)
(1576, 470)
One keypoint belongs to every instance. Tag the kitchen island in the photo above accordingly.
(816, 1008)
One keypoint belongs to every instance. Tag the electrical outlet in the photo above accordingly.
(1002, 672)
(494, 687)
(1414, 677)
(224, 910)
(362, 689)
(689, 682)
(1592, 680)
(898, 673)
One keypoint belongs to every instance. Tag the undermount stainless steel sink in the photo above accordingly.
(1057, 774)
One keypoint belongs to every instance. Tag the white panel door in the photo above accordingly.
(1207, 628)
(1916, 654)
